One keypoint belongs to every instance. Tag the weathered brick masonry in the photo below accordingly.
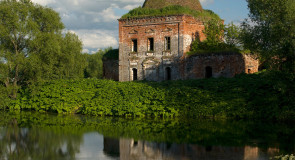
(156, 63)
(154, 48)
(138, 62)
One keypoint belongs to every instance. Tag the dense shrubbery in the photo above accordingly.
(170, 10)
(246, 96)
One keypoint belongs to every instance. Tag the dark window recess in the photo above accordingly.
(135, 143)
(167, 43)
(168, 73)
(134, 70)
(134, 45)
(208, 72)
(151, 44)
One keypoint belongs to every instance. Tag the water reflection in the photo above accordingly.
(50, 137)
(129, 149)
(35, 143)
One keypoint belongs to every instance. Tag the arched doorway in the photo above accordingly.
(134, 71)
(249, 71)
(208, 72)
(168, 73)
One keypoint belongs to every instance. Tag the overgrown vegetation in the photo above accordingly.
(94, 66)
(140, 12)
(262, 96)
(33, 49)
(270, 32)
(220, 38)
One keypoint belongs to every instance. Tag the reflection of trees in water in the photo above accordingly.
(37, 143)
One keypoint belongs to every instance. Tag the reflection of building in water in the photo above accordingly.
(134, 150)
(111, 147)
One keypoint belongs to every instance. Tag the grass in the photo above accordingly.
(170, 10)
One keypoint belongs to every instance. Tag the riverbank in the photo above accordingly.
(259, 96)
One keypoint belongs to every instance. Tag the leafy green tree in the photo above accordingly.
(94, 67)
(32, 46)
(270, 31)
(22, 23)
(219, 38)
(214, 31)
(232, 35)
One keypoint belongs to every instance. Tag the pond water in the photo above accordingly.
(26, 136)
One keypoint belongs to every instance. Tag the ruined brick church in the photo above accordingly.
(154, 48)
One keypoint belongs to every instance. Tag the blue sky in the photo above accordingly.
(95, 21)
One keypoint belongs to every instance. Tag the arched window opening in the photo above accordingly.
(168, 73)
(134, 70)
(249, 71)
(208, 72)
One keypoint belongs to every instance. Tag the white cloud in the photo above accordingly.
(94, 39)
(206, 2)
(108, 15)
(94, 21)
(44, 2)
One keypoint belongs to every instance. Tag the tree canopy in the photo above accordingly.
(32, 46)
(270, 31)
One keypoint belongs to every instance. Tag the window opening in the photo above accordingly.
(167, 43)
(150, 44)
(134, 45)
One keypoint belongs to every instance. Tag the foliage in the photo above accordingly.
(170, 10)
(220, 38)
(270, 31)
(111, 54)
(32, 47)
(4, 99)
(262, 96)
(94, 68)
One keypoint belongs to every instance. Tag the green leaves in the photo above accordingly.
(270, 32)
(219, 38)
(33, 48)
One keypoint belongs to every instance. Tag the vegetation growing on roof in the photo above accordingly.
(220, 38)
(170, 10)
(157, 4)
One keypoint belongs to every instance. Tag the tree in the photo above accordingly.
(232, 35)
(219, 38)
(32, 46)
(270, 31)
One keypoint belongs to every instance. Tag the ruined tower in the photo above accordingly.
(152, 47)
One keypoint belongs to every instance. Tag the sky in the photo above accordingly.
(95, 21)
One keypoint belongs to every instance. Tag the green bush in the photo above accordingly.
(245, 96)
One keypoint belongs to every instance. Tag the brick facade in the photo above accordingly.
(154, 64)
(153, 49)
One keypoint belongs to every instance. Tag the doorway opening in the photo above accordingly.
(208, 72)
(134, 70)
(168, 73)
